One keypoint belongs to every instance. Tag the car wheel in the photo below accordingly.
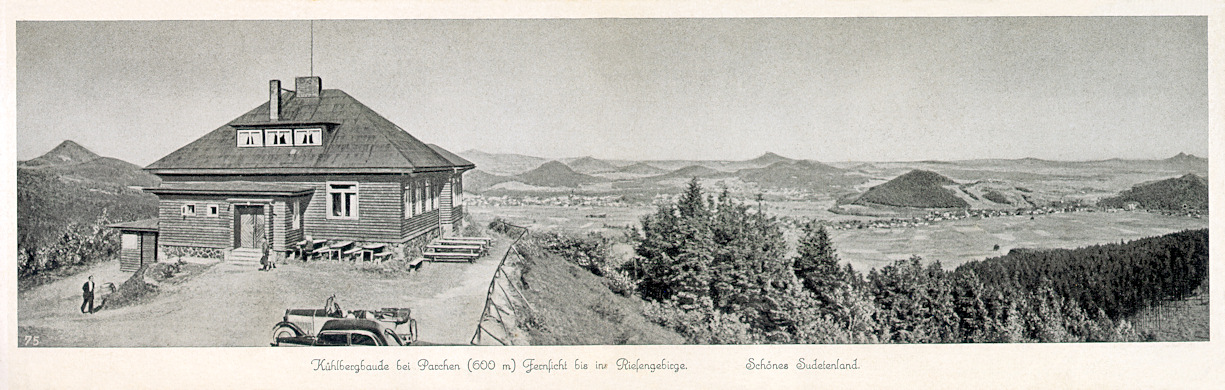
(283, 331)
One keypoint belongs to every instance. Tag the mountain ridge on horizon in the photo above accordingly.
(1181, 156)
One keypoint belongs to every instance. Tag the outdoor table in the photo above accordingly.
(337, 248)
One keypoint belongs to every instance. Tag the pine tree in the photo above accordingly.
(817, 263)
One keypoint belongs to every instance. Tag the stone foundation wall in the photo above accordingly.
(174, 252)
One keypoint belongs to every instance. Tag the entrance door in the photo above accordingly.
(249, 226)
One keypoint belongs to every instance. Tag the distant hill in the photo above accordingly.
(688, 172)
(802, 175)
(556, 174)
(768, 159)
(1184, 158)
(71, 184)
(1189, 191)
(642, 169)
(66, 153)
(477, 180)
(917, 188)
(591, 165)
(502, 163)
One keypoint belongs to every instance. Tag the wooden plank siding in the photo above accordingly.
(444, 207)
(199, 230)
(457, 214)
(148, 247)
(380, 211)
(129, 252)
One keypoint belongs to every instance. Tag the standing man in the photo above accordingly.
(87, 295)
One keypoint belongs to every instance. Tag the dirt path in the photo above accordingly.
(236, 305)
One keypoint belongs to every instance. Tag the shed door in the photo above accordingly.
(148, 248)
(249, 226)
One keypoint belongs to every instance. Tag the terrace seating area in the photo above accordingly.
(448, 249)
(457, 249)
(338, 250)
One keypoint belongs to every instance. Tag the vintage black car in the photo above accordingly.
(333, 326)
(348, 332)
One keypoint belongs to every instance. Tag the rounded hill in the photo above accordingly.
(917, 188)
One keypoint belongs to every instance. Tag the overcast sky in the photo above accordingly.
(829, 89)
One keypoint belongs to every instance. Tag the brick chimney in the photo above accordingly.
(308, 87)
(274, 100)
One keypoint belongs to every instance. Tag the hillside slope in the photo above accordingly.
(71, 185)
(571, 306)
(917, 188)
(800, 175)
(1188, 191)
(589, 165)
(502, 163)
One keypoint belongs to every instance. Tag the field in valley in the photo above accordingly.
(950, 242)
(956, 242)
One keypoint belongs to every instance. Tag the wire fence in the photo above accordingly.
(501, 299)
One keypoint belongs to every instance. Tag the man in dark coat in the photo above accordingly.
(87, 295)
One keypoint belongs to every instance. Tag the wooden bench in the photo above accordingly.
(336, 249)
(416, 263)
(380, 256)
(466, 240)
(353, 254)
(456, 248)
(374, 251)
(450, 256)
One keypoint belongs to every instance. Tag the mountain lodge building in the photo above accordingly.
(310, 163)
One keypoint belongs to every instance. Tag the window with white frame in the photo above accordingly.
(419, 202)
(278, 137)
(308, 137)
(409, 196)
(250, 138)
(429, 196)
(457, 191)
(214, 210)
(342, 200)
(189, 210)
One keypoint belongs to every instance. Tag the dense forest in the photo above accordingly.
(714, 269)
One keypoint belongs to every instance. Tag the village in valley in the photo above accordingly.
(308, 217)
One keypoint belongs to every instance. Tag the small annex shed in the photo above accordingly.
(138, 243)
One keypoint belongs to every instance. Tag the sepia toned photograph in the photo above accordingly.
(612, 181)
(611, 195)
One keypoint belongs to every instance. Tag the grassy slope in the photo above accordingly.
(572, 307)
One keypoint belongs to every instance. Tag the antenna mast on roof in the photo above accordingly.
(312, 48)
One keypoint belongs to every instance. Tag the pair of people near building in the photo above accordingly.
(266, 262)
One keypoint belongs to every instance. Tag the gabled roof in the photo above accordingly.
(229, 188)
(144, 225)
(356, 140)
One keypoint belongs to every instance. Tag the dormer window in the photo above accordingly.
(250, 138)
(308, 137)
(255, 138)
(278, 137)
